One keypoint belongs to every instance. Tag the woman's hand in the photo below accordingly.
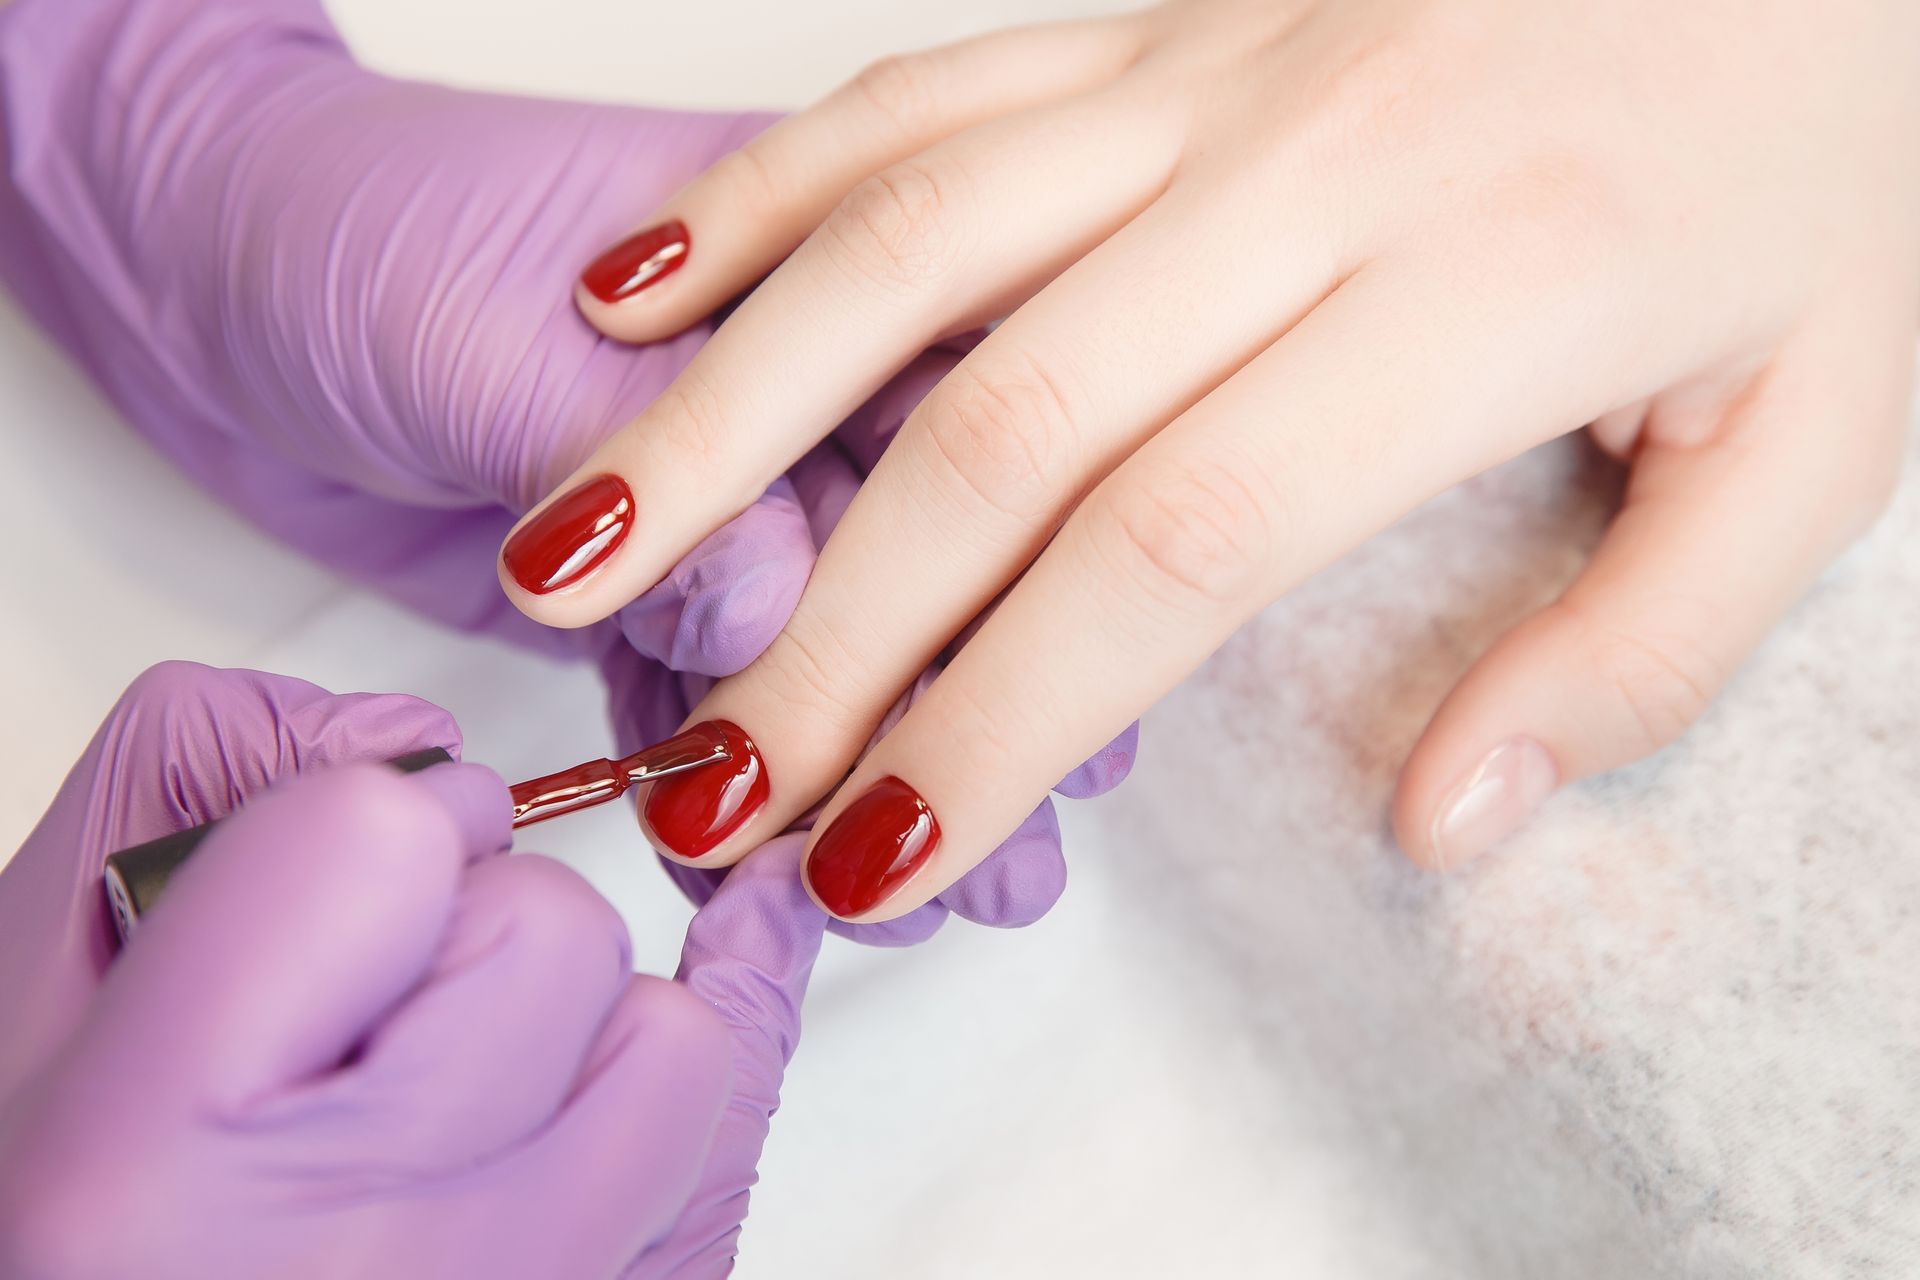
(1275, 273)
(350, 1033)
(339, 301)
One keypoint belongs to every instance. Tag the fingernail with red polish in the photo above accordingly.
(642, 260)
(572, 537)
(872, 848)
(688, 815)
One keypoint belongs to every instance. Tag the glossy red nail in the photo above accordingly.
(872, 848)
(571, 537)
(643, 259)
(691, 814)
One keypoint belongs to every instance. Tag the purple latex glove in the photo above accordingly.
(342, 302)
(350, 1041)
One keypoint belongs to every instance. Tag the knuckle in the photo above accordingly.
(980, 729)
(172, 683)
(1560, 219)
(1556, 193)
(1663, 684)
(895, 227)
(1004, 437)
(1191, 535)
(689, 422)
(1369, 101)
(900, 91)
(811, 673)
(175, 703)
(748, 176)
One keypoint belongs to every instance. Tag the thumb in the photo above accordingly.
(749, 953)
(184, 745)
(299, 922)
(1715, 542)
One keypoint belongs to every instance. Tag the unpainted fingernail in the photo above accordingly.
(1495, 799)
(641, 261)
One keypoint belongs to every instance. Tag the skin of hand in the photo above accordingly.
(1273, 274)
(351, 1037)
(340, 302)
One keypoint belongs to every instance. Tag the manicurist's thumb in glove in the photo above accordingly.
(343, 303)
(353, 1039)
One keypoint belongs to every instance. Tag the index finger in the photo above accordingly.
(729, 227)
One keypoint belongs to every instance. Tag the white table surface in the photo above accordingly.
(1672, 1033)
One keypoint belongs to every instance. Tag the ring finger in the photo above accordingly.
(969, 492)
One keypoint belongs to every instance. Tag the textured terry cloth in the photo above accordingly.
(1671, 1030)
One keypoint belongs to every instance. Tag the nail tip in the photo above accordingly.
(638, 262)
(872, 848)
(571, 537)
(1493, 802)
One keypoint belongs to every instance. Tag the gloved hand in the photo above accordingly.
(343, 303)
(349, 1041)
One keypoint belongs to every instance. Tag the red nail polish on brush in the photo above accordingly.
(571, 537)
(642, 260)
(692, 814)
(872, 848)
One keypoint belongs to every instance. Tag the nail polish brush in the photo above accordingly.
(134, 877)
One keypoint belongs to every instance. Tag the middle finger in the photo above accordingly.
(930, 246)
(977, 481)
